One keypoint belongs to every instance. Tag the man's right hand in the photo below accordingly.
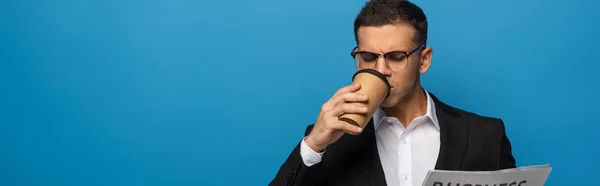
(328, 127)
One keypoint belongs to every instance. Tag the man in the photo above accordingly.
(411, 133)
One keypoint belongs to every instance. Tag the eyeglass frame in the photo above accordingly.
(354, 53)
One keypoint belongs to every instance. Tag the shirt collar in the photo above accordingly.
(379, 115)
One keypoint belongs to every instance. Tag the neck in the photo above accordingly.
(413, 105)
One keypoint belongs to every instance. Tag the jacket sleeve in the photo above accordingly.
(505, 157)
(294, 172)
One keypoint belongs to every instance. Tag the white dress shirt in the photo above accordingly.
(406, 154)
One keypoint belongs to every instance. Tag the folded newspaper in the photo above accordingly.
(522, 176)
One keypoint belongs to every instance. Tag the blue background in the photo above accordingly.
(133, 92)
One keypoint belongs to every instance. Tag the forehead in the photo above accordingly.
(384, 38)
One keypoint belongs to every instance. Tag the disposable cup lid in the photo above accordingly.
(376, 73)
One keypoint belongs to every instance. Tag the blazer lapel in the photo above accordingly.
(373, 174)
(454, 131)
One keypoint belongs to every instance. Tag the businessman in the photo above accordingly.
(411, 133)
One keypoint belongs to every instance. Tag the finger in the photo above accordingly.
(334, 101)
(348, 108)
(349, 128)
(349, 88)
(349, 97)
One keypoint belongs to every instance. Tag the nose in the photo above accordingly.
(382, 67)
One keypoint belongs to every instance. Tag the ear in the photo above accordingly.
(425, 59)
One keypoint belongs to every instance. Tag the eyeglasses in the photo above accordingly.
(396, 60)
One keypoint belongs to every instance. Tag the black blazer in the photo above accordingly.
(468, 142)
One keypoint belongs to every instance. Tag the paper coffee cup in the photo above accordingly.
(376, 87)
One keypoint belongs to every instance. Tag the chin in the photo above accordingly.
(394, 99)
(390, 102)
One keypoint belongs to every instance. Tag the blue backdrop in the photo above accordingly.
(133, 92)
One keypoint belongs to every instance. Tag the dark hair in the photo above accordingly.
(384, 12)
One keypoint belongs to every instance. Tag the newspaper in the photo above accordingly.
(522, 176)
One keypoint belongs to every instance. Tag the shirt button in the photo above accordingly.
(405, 177)
(403, 141)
